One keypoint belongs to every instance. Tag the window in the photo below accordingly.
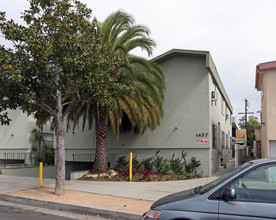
(214, 92)
(214, 85)
(257, 185)
(48, 138)
(214, 136)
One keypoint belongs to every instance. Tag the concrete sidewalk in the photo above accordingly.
(138, 190)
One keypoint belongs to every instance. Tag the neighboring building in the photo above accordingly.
(197, 119)
(235, 127)
(240, 146)
(265, 82)
(241, 137)
(17, 137)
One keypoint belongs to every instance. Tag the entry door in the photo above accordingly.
(219, 145)
(259, 149)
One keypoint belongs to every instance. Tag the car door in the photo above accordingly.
(255, 195)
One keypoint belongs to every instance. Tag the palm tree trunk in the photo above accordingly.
(101, 156)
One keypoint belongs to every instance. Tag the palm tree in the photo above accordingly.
(143, 107)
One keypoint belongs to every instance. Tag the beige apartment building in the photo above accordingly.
(265, 82)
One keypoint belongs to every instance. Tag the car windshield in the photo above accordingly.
(216, 182)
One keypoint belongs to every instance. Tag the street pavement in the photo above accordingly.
(138, 190)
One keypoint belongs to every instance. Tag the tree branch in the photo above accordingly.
(46, 108)
(70, 107)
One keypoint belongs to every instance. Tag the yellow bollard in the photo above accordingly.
(40, 174)
(130, 167)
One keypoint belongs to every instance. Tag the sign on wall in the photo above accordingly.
(202, 141)
(202, 135)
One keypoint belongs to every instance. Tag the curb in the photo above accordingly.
(117, 215)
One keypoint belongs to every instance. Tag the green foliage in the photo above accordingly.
(46, 154)
(56, 50)
(0, 171)
(56, 61)
(252, 121)
(122, 163)
(148, 163)
(136, 163)
(161, 164)
(176, 165)
(142, 82)
(190, 167)
(42, 151)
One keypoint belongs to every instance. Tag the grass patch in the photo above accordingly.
(0, 171)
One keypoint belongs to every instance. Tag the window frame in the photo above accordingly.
(229, 184)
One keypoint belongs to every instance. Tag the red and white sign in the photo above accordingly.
(202, 141)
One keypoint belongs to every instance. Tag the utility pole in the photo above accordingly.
(246, 113)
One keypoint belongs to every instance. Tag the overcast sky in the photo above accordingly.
(239, 34)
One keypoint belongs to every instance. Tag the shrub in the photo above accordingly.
(148, 163)
(176, 165)
(0, 171)
(124, 173)
(45, 154)
(161, 164)
(41, 151)
(190, 167)
(122, 163)
(136, 164)
(48, 154)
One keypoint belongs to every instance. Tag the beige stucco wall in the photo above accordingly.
(270, 93)
(268, 129)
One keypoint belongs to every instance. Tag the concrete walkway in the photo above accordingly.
(139, 190)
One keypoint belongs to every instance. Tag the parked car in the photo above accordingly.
(248, 192)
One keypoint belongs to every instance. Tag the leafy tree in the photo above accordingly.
(252, 121)
(141, 108)
(5, 88)
(56, 54)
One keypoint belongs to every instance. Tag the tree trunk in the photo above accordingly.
(101, 156)
(60, 134)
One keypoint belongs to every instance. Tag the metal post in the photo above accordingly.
(130, 167)
(40, 174)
